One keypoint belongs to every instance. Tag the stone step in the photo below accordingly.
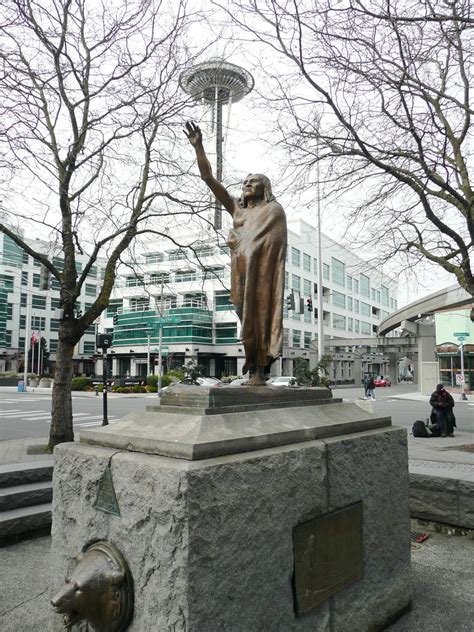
(14, 474)
(26, 495)
(24, 520)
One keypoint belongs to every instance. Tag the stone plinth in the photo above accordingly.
(208, 532)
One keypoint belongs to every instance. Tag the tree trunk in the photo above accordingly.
(61, 415)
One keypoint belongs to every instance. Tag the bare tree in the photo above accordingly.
(381, 93)
(90, 104)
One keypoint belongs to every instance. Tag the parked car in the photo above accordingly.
(284, 380)
(382, 381)
(238, 381)
(200, 381)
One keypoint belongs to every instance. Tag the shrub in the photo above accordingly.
(80, 383)
(176, 373)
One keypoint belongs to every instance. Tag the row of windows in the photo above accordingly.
(337, 273)
(185, 276)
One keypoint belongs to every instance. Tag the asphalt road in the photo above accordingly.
(27, 415)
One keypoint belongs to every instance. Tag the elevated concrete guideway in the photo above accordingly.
(452, 296)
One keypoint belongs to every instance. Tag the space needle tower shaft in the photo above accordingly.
(217, 83)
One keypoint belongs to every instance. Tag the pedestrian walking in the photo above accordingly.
(371, 388)
(442, 414)
(365, 382)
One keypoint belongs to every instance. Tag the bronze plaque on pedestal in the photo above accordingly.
(328, 553)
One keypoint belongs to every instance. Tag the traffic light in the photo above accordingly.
(309, 304)
(45, 278)
(115, 319)
(290, 302)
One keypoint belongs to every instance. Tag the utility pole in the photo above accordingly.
(160, 339)
(320, 261)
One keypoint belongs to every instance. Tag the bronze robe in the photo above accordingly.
(258, 249)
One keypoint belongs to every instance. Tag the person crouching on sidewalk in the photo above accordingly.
(442, 414)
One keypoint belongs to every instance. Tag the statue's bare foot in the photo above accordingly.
(256, 380)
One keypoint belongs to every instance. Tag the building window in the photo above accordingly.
(25, 257)
(38, 323)
(315, 266)
(295, 257)
(92, 272)
(296, 338)
(38, 302)
(114, 305)
(356, 306)
(350, 324)
(364, 327)
(307, 287)
(24, 278)
(131, 282)
(338, 299)
(89, 347)
(306, 262)
(356, 286)
(91, 290)
(384, 296)
(356, 326)
(295, 282)
(326, 271)
(339, 322)
(222, 299)
(177, 255)
(55, 303)
(349, 303)
(156, 257)
(364, 309)
(308, 336)
(365, 285)
(226, 333)
(54, 324)
(22, 321)
(338, 271)
(53, 346)
(286, 278)
(349, 282)
(36, 280)
(58, 263)
(23, 300)
(185, 276)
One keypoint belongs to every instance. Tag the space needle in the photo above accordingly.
(217, 83)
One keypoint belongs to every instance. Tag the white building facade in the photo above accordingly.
(186, 294)
(19, 286)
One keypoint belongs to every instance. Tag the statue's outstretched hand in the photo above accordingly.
(193, 134)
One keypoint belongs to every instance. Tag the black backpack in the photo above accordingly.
(420, 430)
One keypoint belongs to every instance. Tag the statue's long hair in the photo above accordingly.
(267, 190)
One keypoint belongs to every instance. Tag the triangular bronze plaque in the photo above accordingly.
(106, 499)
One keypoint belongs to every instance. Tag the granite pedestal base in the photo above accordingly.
(210, 541)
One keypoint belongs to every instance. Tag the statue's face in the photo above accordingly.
(253, 187)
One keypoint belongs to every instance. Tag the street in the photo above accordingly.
(25, 415)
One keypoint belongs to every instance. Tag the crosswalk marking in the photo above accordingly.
(16, 400)
(45, 416)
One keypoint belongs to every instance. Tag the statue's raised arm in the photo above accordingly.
(194, 136)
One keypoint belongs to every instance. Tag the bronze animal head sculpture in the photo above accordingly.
(99, 590)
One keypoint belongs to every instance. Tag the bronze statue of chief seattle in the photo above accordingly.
(258, 247)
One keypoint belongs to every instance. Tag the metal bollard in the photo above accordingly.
(96, 390)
